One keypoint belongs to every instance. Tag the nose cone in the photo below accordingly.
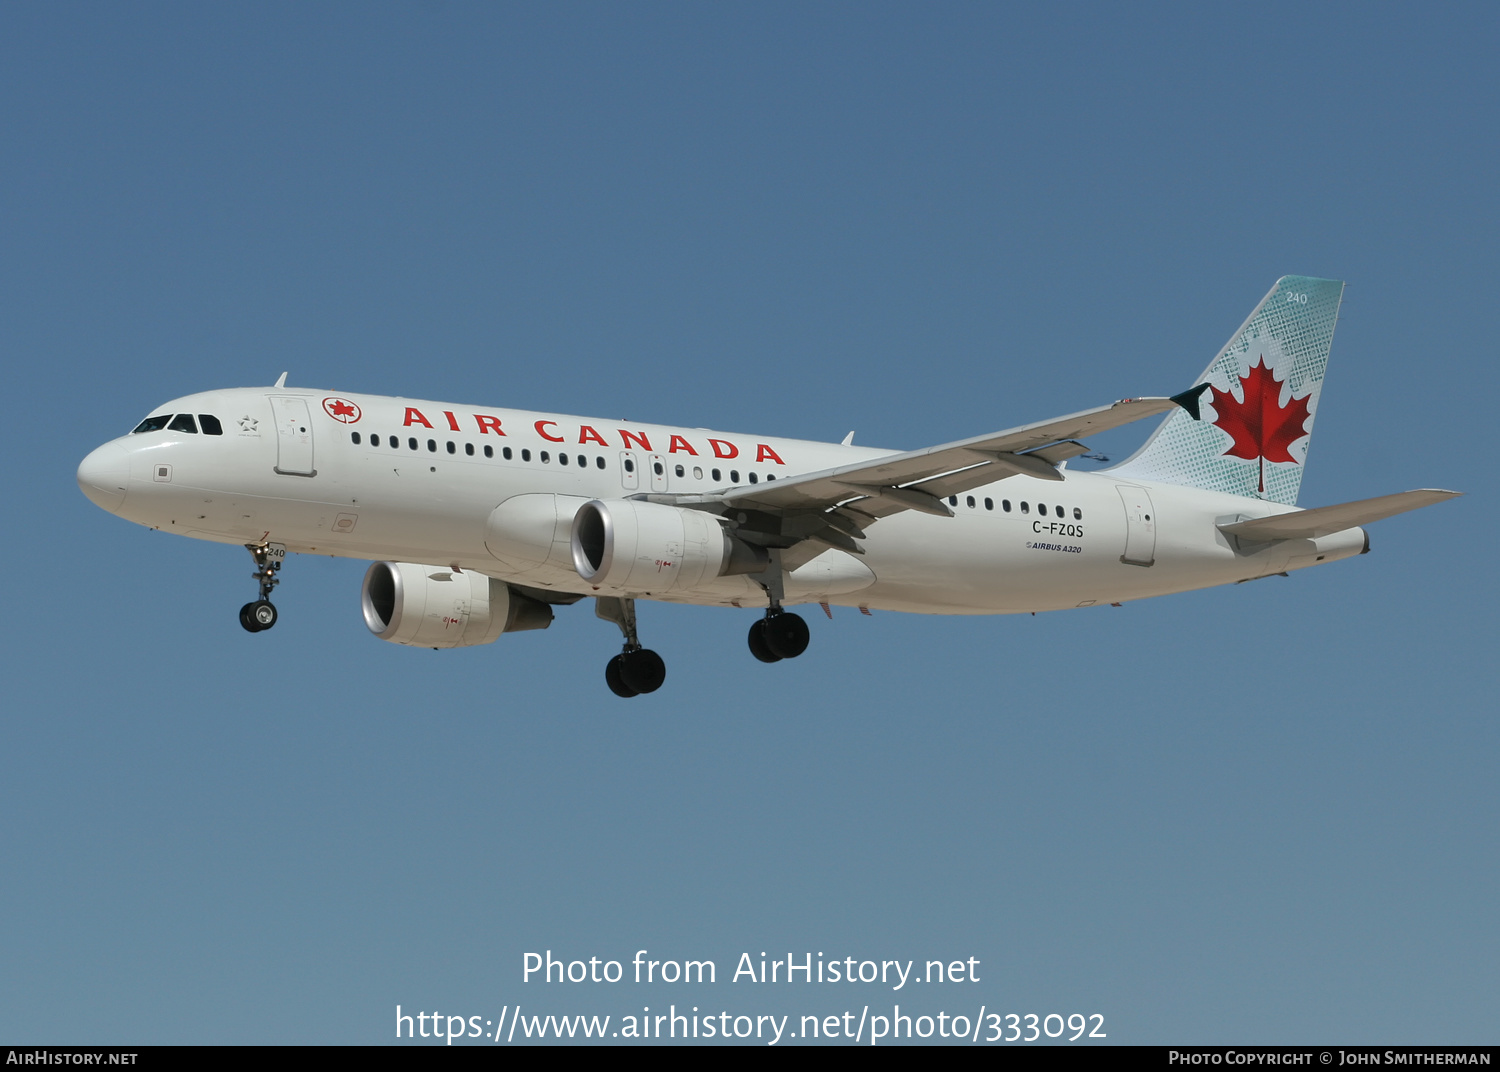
(104, 476)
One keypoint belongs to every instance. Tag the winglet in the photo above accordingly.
(1188, 400)
(281, 380)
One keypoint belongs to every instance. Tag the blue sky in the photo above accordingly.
(1265, 813)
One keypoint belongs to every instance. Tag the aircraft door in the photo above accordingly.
(294, 443)
(658, 473)
(630, 471)
(1140, 526)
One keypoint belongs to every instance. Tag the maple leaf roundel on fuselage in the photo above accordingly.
(1261, 426)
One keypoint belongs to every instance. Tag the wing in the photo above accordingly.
(833, 507)
(1323, 520)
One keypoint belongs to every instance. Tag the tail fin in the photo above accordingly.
(1262, 398)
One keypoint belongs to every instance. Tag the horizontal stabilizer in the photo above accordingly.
(1310, 524)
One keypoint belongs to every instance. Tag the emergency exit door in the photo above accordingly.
(630, 471)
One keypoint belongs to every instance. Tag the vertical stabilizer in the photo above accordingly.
(1258, 413)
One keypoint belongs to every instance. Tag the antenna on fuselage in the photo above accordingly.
(281, 380)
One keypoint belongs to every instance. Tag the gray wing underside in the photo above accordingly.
(804, 515)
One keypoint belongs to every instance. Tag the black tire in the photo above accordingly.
(758, 646)
(787, 635)
(263, 614)
(642, 670)
(251, 626)
(615, 681)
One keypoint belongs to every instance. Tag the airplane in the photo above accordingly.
(479, 521)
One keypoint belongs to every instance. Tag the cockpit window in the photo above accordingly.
(210, 424)
(183, 422)
(153, 424)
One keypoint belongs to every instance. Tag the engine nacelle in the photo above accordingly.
(438, 607)
(627, 546)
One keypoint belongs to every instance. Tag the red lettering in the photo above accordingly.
(641, 441)
(414, 416)
(720, 447)
(764, 453)
(487, 424)
(676, 440)
(544, 435)
(452, 420)
(589, 435)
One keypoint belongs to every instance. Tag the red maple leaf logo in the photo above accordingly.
(1262, 428)
(341, 409)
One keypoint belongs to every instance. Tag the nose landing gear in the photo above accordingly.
(261, 614)
(635, 670)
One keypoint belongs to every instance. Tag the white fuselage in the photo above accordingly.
(431, 482)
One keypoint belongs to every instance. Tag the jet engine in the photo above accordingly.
(439, 607)
(627, 546)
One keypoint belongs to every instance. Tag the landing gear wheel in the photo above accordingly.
(642, 670)
(786, 635)
(615, 680)
(758, 645)
(258, 615)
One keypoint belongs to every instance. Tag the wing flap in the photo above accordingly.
(1325, 520)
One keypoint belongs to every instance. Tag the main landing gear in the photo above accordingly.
(780, 634)
(261, 614)
(635, 670)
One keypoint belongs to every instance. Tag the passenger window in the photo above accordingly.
(770, 476)
(354, 438)
(753, 478)
(657, 469)
(451, 448)
(1041, 508)
(504, 453)
(1025, 508)
(546, 457)
(469, 449)
(489, 451)
(971, 502)
(953, 500)
(989, 504)
(210, 424)
(716, 476)
(734, 476)
(152, 424)
(432, 446)
(1060, 511)
(183, 422)
(1077, 514)
(583, 461)
(1005, 505)
(412, 443)
(697, 472)
(526, 454)
(599, 463)
(629, 465)
(680, 471)
(562, 459)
